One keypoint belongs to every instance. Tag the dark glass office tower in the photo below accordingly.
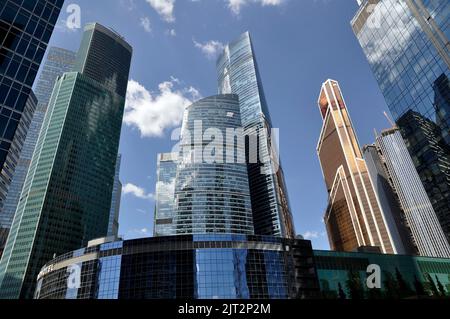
(442, 103)
(57, 62)
(238, 74)
(212, 189)
(13, 157)
(406, 44)
(66, 198)
(25, 29)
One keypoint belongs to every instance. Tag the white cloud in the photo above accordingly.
(171, 32)
(236, 5)
(136, 191)
(210, 48)
(130, 5)
(311, 235)
(164, 8)
(164, 189)
(145, 23)
(138, 233)
(152, 113)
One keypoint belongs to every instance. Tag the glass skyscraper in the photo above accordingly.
(165, 195)
(354, 217)
(212, 194)
(420, 215)
(57, 62)
(389, 200)
(406, 44)
(22, 134)
(238, 74)
(25, 30)
(66, 198)
(113, 223)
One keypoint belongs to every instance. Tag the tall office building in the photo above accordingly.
(165, 195)
(419, 212)
(113, 223)
(406, 44)
(389, 200)
(66, 198)
(25, 29)
(238, 74)
(13, 156)
(212, 192)
(353, 218)
(57, 62)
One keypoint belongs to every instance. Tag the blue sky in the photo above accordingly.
(299, 44)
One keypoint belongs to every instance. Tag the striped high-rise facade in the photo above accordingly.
(419, 213)
(353, 218)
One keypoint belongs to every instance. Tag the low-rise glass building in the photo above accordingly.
(190, 266)
(236, 267)
(345, 275)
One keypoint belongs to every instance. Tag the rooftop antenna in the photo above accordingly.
(389, 119)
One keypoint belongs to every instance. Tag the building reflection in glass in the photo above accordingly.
(406, 45)
(189, 266)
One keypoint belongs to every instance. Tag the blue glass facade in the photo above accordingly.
(211, 189)
(57, 62)
(406, 44)
(25, 29)
(238, 74)
(194, 267)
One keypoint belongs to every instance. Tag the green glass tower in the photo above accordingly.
(66, 198)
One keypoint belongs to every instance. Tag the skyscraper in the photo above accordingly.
(419, 212)
(406, 45)
(113, 223)
(57, 62)
(212, 192)
(238, 74)
(353, 218)
(389, 201)
(165, 195)
(13, 156)
(66, 198)
(25, 29)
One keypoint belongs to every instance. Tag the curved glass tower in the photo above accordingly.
(212, 190)
(238, 74)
